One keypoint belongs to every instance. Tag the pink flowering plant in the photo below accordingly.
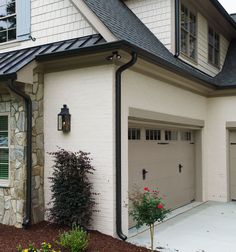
(147, 208)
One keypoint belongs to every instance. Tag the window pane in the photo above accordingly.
(217, 58)
(147, 135)
(167, 135)
(3, 171)
(11, 22)
(138, 134)
(217, 41)
(192, 49)
(11, 34)
(184, 41)
(3, 24)
(4, 156)
(3, 123)
(3, 139)
(2, 2)
(3, 11)
(192, 24)
(3, 36)
(210, 36)
(184, 17)
(11, 8)
(210, 53)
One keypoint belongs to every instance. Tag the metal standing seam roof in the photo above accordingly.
(13, 61)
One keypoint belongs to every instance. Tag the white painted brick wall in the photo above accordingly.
(89, 93)
(156, 15)
(53, 20)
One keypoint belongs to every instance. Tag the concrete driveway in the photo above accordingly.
(209, 227)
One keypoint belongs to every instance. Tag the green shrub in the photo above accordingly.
(72, 202)
(76, 240)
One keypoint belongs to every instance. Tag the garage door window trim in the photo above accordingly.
(153, 134)
(134, 134)
(171, 135)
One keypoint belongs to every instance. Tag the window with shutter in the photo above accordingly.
(4, 148)
(15, 19)
(7, 20)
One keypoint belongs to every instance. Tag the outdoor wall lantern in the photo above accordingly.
(64, 119)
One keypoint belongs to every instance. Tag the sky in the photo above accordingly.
(229, 5)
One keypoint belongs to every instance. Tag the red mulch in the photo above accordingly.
(10, 237)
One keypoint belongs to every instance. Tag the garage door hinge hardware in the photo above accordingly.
(163, 143)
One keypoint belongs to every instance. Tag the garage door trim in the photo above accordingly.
(151, 116)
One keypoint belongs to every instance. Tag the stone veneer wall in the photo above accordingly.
(13, 195)
(36, 94)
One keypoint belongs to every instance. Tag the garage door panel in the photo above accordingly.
(162, 159)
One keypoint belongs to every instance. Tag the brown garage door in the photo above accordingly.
(163, 158)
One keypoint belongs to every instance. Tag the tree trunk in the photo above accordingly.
(152, 235)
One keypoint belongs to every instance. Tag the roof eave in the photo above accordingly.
(224, 13)
(126, 46)
(9, 76)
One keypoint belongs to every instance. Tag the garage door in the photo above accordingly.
(232, 153)
(163, 158)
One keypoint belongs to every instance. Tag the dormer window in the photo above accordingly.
(213, 47)
(7, 20)
(188, 33)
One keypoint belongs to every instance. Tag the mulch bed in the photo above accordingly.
(10, 237)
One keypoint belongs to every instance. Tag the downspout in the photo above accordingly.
(119, 72)
(28, 102)
(177, 33)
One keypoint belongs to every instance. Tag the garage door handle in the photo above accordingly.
(144, 172)
(180, 168)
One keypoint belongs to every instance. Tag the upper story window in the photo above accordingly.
(188, 33)
(213, 47)
(4, 148)
(7, 20)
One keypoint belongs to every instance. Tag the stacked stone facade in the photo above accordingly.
(13, 193)
(35, 92)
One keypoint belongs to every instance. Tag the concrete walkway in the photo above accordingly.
(210, 227)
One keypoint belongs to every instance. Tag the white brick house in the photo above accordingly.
(150, 86)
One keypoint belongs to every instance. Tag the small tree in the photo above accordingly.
(72, 202)
(147, 208)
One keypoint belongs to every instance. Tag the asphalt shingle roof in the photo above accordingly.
(125, 25)
(227, 77)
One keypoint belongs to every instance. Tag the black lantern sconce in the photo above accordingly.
(64, 119)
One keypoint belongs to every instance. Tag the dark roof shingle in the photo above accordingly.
(125, 25)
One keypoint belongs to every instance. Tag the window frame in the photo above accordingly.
(149, 135)
(213, 62)
(137, 135)
(171, 131)
(7, 30)
(190, 12)
(5, 182)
